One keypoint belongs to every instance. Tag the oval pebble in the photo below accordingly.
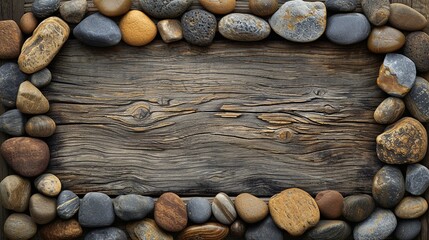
(13, 122)
(113, 8)
(166, 8)
(170, 212)
(329, 230)
(266, 229)
(133, 207)
(199, 210)
(263, 8)
(41, 78)
(415, 20)
(218, 7)
(40, 126)
(45, 8)
(416, 179)
(137, 29)
(48, 184)
(28, 23)
(388, 186)
(205, 231)
(96, 210)
(223, 209)
(389, 111)
(244, 27)
(377, 11)
(98, 31)
(358, 207)
(330, 203)
(68, 204)
(106, 233)
(238, 229)
(407, 229)
(385, 39)
(42, 208)
(19, 226)
(199, 27)
(411, 207)
(61, 230)
(379, 225)
(341, 5)
(417, 49)
(339, 25)
(250, 208)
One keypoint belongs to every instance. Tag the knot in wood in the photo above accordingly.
(285, 135)
(140, 112)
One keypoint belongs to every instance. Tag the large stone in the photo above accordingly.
(48, 184)
(223, 209)
(137, 29)
(40, 126)
(411, 207)
(205, 231)
(388, 187)
(42, 208)
(45, 8)
(30, 100)
(74, 11)
(266, 229)
(68, 204)
(98, 31)
(385, 39)
(133, 207)
(170, 212)
(243, 27)
(147, 229)
(358, 207)
(112, 233)
(379, 225)
(250, 208)
(377, 11)
(416, 179)
(15, 193)
(417, 49)
(199, 27)
(407, 229)
(329, 230)
(19, 226)
(165, 9)
(199, 210)
(96, 210)
(61, 230)
(339, 25)
(10, 80)
(10, 39)
(113, 8)
(12, 122)
(414, 20)
(417, 100)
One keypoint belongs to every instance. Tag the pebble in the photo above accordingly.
(206, 231)
(73, 11)
(61, 230)
(263, 8)
(388, 187)
(237, 229)
(12, 123)
(385, 39)
(389, 111)
(40, 126)
(96, 210)
(300, 21)
(45, 8)
(133, 207)
(416, 179)
(358, 207)
(377, 11)
(106, 233)
(417, 100)
(218, 7)
(42, 209)
(407, 229)
(329, 230)
(199, 27)
(223, 209)
(165, 9)
(265, 229)
(250, 208)
(30, 99)
(341, 5)
(28, 23)
(68, 204)
(415, 20)
(40, 49)
(403, 142)
(339, 25)
(170, 212)
(294, 210)
(15, 193)
(137, 29)
(170, 30)
(48, 184)
(243, 27)
(29, 157)
(417, 49)
(19, 226)
(113, 8)
(411, 207)
(10, 39)
(379, 225)
(199, 210)
(10, 80)
(397, 75)
(41, 78)
(330, 203)
(147, 229)
(98, 31)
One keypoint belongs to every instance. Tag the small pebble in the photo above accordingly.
(199, 27)
(68, 204)
(407, 229)
(377, 11)
(379, 225)
(339, 25)
(243, 27)
(15, 193)
(263, 8)
(416, 179)
(417, 49)
(415, 20)
(205, 231)
(98, 31)
(388, 186)
(385, 39)
(329, 230)
(389, 111)
(45, 8)
(411, 207)
(48, 184)
(137, 29)
(218, 7)
(40, 126)
(341, 5)
(199, 210)
(417, 100)
(61, 230)
(170, 30)
(250, 208)
(358, 207)
(223, 209)
(41, 78)
(106, 233)
(13, 122)
(11, 78)
(19, 226)
(265, 229)
(96, 210)
(237, 229)
(42, 208)
(170, 212)
(28, 23)
(147, 229)
(133, 207)
(30, 100)
(73, 11)
(10, 39)
(165, 9)
(113, 8)
(330, 203)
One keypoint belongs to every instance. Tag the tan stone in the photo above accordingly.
(170, 212)
(406, 18)
(28, 23)
(30, 99)
(389, 111)
(208, 231)
(61, 230)
(263, 8)
(19, 226)
(219, 7)
(411, 207)
(48, 184)
(170, 30)
(42, 209)
(15, 193)
(137, 28)
(147, 229)
(113, 8)
(385, 40)
(250, 208)
(10, 39)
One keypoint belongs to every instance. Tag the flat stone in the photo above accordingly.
(40, 126)
(41, 78)
(61, 230)
(407, 229)
(218, 7)
(137, 29)
(113, 8)
(411, 207)
(10, 39)
(45, 8)
(147, 229)
(403, 142)
(205, 231)
(417, 49)
(133, 207)
(28, 23)
(10, 80)
(170, 30)
(223, 209)
(416, 179)
(389, 111)
(263, 8)
(339, 25)
(12, 123)
(170, 212)
(29, 157)
(15, 193)
(106, 233)
(379, 225)
(330, 203)
(98, 31)
(415, 20)
(250, 208)
(300, 21)
(96, 210)
(42, 209)
(243, 27)
(294, 210)
(377, 11)
(30, 100)
(329, 230)
(265, 229)
(199, 210)
(417, 100)
(237, 229)
(385, 39)
(74, 11)
(199, 27)
(388, 187)
(358, 207)
(48, 184)
(166, 9)
(341, 5)
(68, 204)
(40, 49)
(19, 226)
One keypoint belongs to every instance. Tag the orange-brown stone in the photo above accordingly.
(406, 18)
(208, 231)
(113, 8)
(28, 23)
(385, 40)
(250, 208)
(147, 229)
(219, 6)
(10, 39)
(137, 29)
(61, 230)
(170, 212)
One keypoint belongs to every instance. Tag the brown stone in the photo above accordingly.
(147, 229)
(406, 18)
(15, 193)
(28, 23)
(377, 11)
(19, 226)
(73, 11)
(40, 126)
(208, 231)
(417, 100)
(294, 210)
(42, 209)
(411, 207)
(30, 99)
(170, 212)
(417, 49)
(238, 229)
(403, 142)
(385, 40)
(330, 204)
(137, 28)
(389, 111)
(218, 7)
(250, 208)
(61, 230)
(10, 39)
(263, 8)
(170, 30)
(113, 8)
(48, 184)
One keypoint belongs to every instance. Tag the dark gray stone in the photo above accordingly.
(329, 230)
(67, 204)
(379, 225)
(166, 8)
(96, 210)
(199, 27)
(243, 27)
(417, 100)
(45, 8)
(416, 179)
(266, 229)
(41, 78)
(199, 210)
(110, 233)
(388, 187)
(341, 5)
(133, 207)
(407, 229)
(348, 28)
(13, 122)
(73, 11)
(98, 31)
(417, 49)
(358, 207)
(10, 79)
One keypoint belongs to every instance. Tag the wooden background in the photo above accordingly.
(233, 117)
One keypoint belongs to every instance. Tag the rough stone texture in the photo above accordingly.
(300, 21)
(19, 226)
(28, 23)
(243, 27)
(73, 11)
(218, 7)
(137, 29)
(250, 208)
(15, 193)
(170, 30)
(147, 229)
(165, 9)
(294, 210)
(358, 207)
(341, 5)
(416, 179)
(389, 111)
(170, 212)
(42, 208)
(329, 230)
(133, 207)
(199, 210)
(208, 231)
(330, 203)
(96, 210)
(41, 78)
(199, 27)
(415, 20)
(339, 25)
(223, 209)
(379, 225)
(45, 8)
(407, 229)
(238, 229)
(388, 186)
(263, 8)
(98, 31)
(417, 49)
(112, 233)
(113, 8)
(265, 229)
(411, 207)
(417, 100)
(48, 184)
(68, 204)
(30, 100)
(10, 80)
(10, 39)
(12, 123)
(61, 230)
(385, 39)
(40, 126)
(377, 11)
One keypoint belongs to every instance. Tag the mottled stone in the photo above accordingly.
(330, 203)
(223, 209)
(106, 233)
(377, 11)
(389, 111)
(358, 207)
(10, 39)
(165, 9)
(416, 179)
(98, 31)
(405, 141)
(218, 7)
(411, 207)
(199, 210)
(388, 187)
(10, 80)
(341, 5)
(385, 39)
(19, 226)
(45, 8)
(170, 212)
(243, 27)
(137, 29)
(265, 229)
(42, 208)
(238, 229)
(15, 193)
(133, 207)
(68, 204)
(294, 210)
(48, 184)
(208, 231)
(263, 8)
(12, 123)
(113, 8)
(61, 230)
(329, 230)
(147, 229)
(40, 49)
(41, 78)
(417, 100)
(170, 30)
(28, 157)
(30, 100)
(415, 20)
(96, 210)
(407, 229)
(40, 126)
(73, 11)
(417, 49)
(250, 208)
(379, 225)
(339, 25)
(300, 21)
(199, 27)
(28, 23)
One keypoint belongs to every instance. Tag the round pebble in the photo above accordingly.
(389, 111)
(329, 230)
(417, 49)
(199, 210)
(98, 31)
(48, 184)
(73, 11)
(42, 209)
(237, 229)
(379, 225)
(417, 100)
(170, 212)
(15, 193)
(411, 207)
(166, 8)
(45, 8)
(378, 11)
(388, 186)
(330, 203)
(223, 209)
(28, 23)
(407, 229)
(416, 179)
(170, 30)
(96, 210)
(218, 7)
(11, 78)
(137, 29)
(10, 39)
(243, 27)
(358, 207)
(415, 20)
(40, 126)
(250, 208)
(13, 122)
(265, 229)
(106, 233)
(19, 226)
(41, 78)
(113, 8)
(263, 8)
(30, 100)
(385, 39)
(341, 5)
(133, 207)
(61, 230)
(199, 27)
(67, 204)
(339, 25)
